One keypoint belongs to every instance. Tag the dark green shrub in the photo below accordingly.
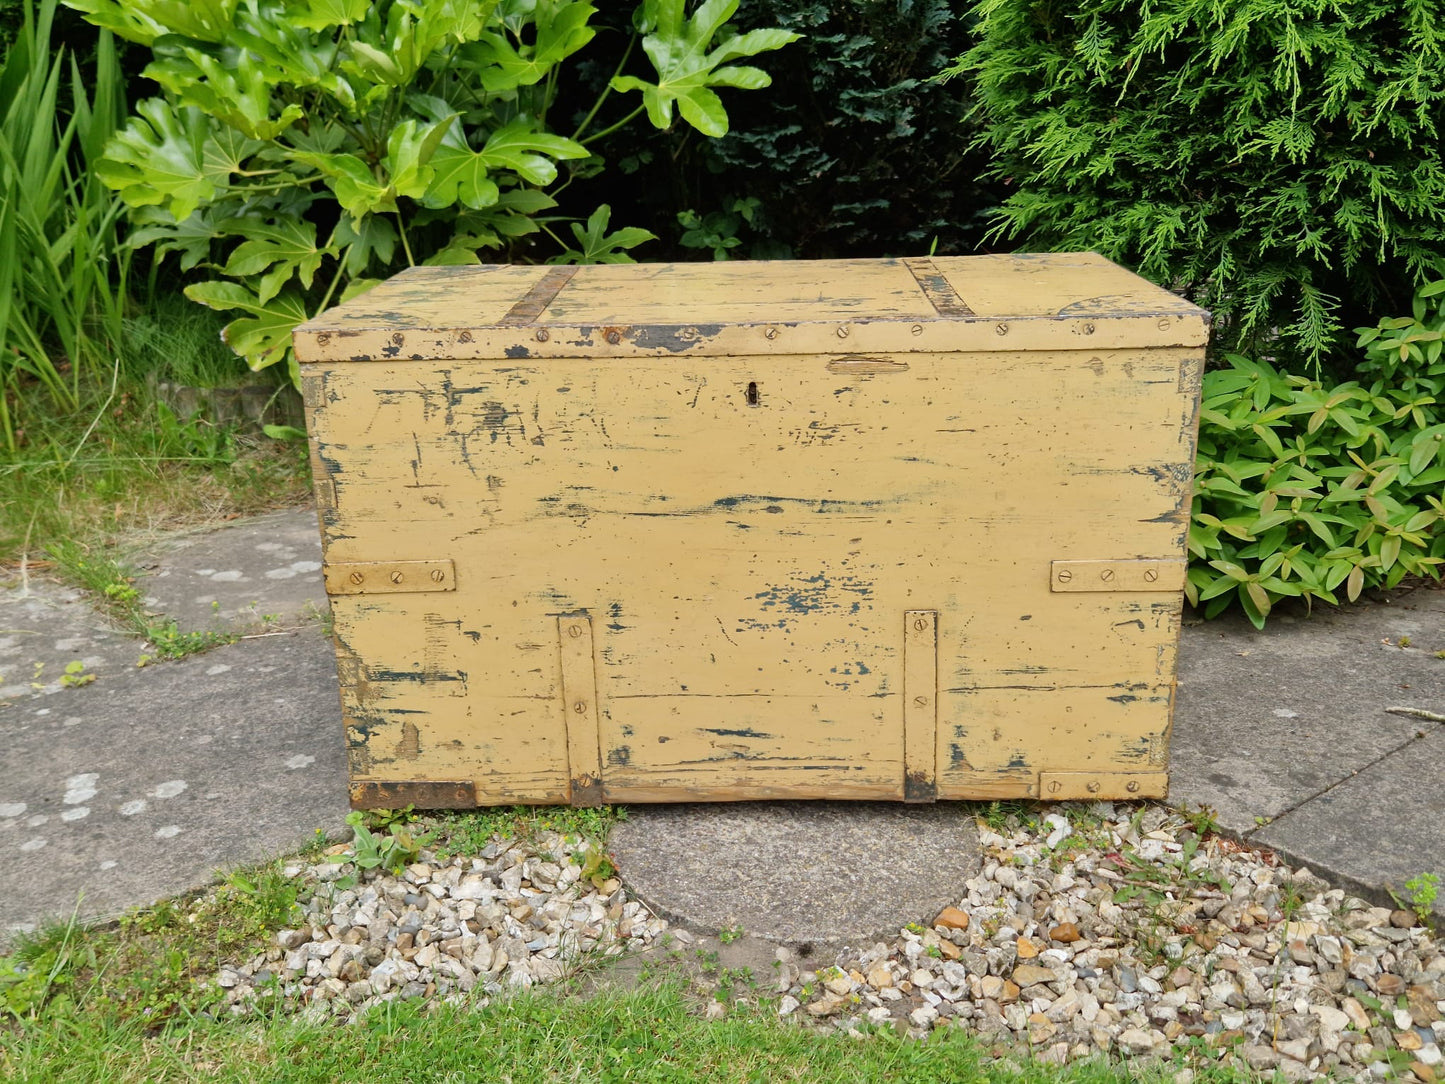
(853, 151)
(1279, 161)
(1303, 489)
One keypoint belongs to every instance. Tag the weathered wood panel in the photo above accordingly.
(740, 538)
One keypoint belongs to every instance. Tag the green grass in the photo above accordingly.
(469, 832)
(87, 490)
(649, 1034)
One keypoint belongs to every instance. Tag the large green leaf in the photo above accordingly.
(264, 336)
(160, 158)
(144, 21)
(352, 181)
(325, 14)
(678, 47)
(191, 237)
(278, 247)
(362, 240)
(560, 29)
(409, 150)
(461, 176)
(236, 91)
(519, 147)
(596, 245)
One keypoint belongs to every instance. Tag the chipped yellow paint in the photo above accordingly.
(743, 484)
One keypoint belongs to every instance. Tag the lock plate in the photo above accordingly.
(389, 577)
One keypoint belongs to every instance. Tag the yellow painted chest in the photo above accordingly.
(899, 529)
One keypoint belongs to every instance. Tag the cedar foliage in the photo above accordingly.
(1279, 161)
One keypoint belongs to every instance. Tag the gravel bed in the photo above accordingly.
(519, 914)
(1097, 929)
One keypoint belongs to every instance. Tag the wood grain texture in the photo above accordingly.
(745, 562)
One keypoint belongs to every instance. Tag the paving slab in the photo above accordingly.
(1266, 720)
(146, 782)
(801, 873)
(1287, 735)
(264, 571)
(45, 627)
(1377, 829)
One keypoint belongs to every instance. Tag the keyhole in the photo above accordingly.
(752, 393)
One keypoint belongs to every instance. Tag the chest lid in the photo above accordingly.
(991, 303)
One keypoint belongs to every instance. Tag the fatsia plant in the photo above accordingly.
(305, 148)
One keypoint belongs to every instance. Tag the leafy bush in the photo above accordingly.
(1278, 160)
(61, 276)
(305, 147)
(1302, 489)
(853, 152)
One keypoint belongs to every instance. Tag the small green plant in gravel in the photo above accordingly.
(1421, 892)
(469, 832)
(1204, 820)
(728, 934)
(389, 852)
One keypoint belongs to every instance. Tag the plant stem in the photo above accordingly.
(612, 128)
(605, 91)
(335, 281)
(405, 244)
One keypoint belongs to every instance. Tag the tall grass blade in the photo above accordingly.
(62, 272)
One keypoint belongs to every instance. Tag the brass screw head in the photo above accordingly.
(1087, 329)
(921, 701)
(580, 707)
(356, 577)
(1132, 786)
(843, 332)
(574, 631)
(614, 337)
(771, 333)
(1107, 575)
(1092, 787)
(465, 336)
(1065, 575)
(1000, 329)
(437, 575)
(1151, 574)
(543, 334)
(918, 329)
(398, 338)
(1055, 787)
(395, 576)
(920, 624)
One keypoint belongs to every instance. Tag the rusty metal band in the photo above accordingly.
(421, 793)
(936, 288)
(536, 300)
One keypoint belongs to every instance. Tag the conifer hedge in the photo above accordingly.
(1279, 161)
